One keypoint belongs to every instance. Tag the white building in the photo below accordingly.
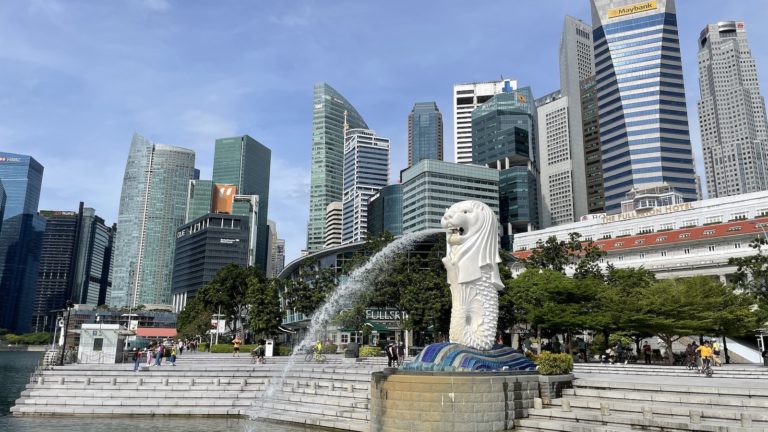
(467, 97)
(366, 170)
(332, 225)
(677, 240)
(734, 130)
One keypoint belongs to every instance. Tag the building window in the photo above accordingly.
(645, 230)
(713, 220)
(711, 248)
(98, 344)
(686, 251)
(761, 213)
(642, 255)
(737, 245)
(684, 235)
(689, 223)
(660, 239)
(607, 235)
(666, 227)
(624, 233)
(663, 253)
(345, 338)
(739, 216)
(734, 228)
(618, 244)
(639, 242)
(709, 232)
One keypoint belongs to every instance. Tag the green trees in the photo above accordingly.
(264, 312)
(752, 275)
(194, 319)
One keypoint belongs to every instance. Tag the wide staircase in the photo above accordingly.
(332, 394)
(639, 397)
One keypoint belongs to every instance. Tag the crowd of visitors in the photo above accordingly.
(157, 351)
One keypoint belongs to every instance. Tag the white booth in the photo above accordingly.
(100, 343)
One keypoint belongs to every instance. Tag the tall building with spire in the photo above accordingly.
(644, 135)
(327, 172)
(734, 130)
(152, 207)
(425, 133)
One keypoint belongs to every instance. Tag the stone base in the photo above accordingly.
(450, 401)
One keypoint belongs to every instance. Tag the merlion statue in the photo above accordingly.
(471, 261)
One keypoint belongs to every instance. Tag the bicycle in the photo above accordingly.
(706, 367)
(314, 355)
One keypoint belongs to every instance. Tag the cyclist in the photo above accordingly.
(318, 350)
(705, 351)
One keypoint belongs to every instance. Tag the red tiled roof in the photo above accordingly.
(683, 235)
(156, 332)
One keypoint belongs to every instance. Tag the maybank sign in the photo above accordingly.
(632, 9)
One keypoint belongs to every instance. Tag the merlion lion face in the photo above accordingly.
(461, 220)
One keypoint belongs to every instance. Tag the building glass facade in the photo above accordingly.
(152, 206)
(430, 187)
(199, 197)
(425, 133)
(22, 178)
(330, 114)
(244, 162)
(366, 170)
(641, 99)
(385, 211)
(592, 156)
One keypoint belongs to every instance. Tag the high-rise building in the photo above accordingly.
(385, 211)
(504, 138)
(734, 129)
(74, 263)
(199, 198)
(431, 186)
(557, 184)
(366, 170)
(644, 135)
(244, 162)
(276, 251)
(425, 133)
(22, 229)
(203, 247)
(333, 223)
(152, 207)
(467, 97)
(330, 115)
(593, 163)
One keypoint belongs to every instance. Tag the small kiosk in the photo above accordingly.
(101, 343)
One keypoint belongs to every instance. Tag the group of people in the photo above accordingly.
(395, 353)
(708, 353)
(157, 352)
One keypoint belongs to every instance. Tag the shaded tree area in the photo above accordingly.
(752, 275)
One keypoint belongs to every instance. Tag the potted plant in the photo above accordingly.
(554, 374)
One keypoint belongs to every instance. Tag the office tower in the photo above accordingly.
(431, 186)
(734, 130)
(203, 247)
(385, 211)
(199, 198)
(152, 207)
(467, 97)
(558, 188)
(425, 133)
(593, 163)
(244, 162)
(333, 223)
(278, 258)
(91, 277)
(366, 170)
(21, 177)
(504, 138)
(331, 114)
(641, 97)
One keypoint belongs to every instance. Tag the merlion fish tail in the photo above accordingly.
(475, 313)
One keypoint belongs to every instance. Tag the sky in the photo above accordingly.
(78, 78)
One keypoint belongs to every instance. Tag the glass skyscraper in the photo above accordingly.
(641, 99)
(152, 206)
(199, 198)
(504, 138)
(385, 211)
(330, 114)
(425, 133)
(21, 177)
(244, 162)
(366, 170)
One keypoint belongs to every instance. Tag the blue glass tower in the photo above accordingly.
(425, 133)
(20, 239)
(641, 99)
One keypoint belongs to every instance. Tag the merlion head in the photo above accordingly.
(473, 239)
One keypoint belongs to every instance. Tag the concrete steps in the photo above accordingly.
(727, 371)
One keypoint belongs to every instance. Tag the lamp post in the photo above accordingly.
(66, 329)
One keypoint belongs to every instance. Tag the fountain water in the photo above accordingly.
(358, 281)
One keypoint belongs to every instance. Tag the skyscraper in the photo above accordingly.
(244, 162)
(641, 98)
(366, 170)
(276, 251)
(504, 138)
(425, 133)
(385, 211)
(22, 229)
(199, 198)
(333, 223)
(152, 207)
(734, 130)
(331, 111)
(467, 97)
(593, 163)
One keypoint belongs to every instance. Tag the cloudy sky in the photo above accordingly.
(77, 78)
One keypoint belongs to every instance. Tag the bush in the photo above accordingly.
(284, 350)
(201, 347)
(554, 364)
(228, 348)
(370, 351)
(329, 348)
(40, 338)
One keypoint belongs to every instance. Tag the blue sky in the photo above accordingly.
(77, 78)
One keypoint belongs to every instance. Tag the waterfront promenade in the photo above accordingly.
(336, 394)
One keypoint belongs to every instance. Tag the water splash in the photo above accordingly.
(357, 282)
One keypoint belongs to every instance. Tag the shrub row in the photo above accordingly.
(370, 351)
(553, 364)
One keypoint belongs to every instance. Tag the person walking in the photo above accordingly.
(716, 353)
(400, 354)
(582, 346)
(172, 359)
(647, 352)
(390, 354)
(149, 356)
(236, 346)
(159, 354)
(136, 359)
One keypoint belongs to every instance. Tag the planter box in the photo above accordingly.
(551, 386)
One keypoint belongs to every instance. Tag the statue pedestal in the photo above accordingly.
(450, 401)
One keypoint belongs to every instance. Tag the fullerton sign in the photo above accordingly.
(632, 9)
(651, 212)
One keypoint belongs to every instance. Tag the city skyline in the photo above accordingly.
(130, 84)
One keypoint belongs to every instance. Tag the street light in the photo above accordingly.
(66, 329)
